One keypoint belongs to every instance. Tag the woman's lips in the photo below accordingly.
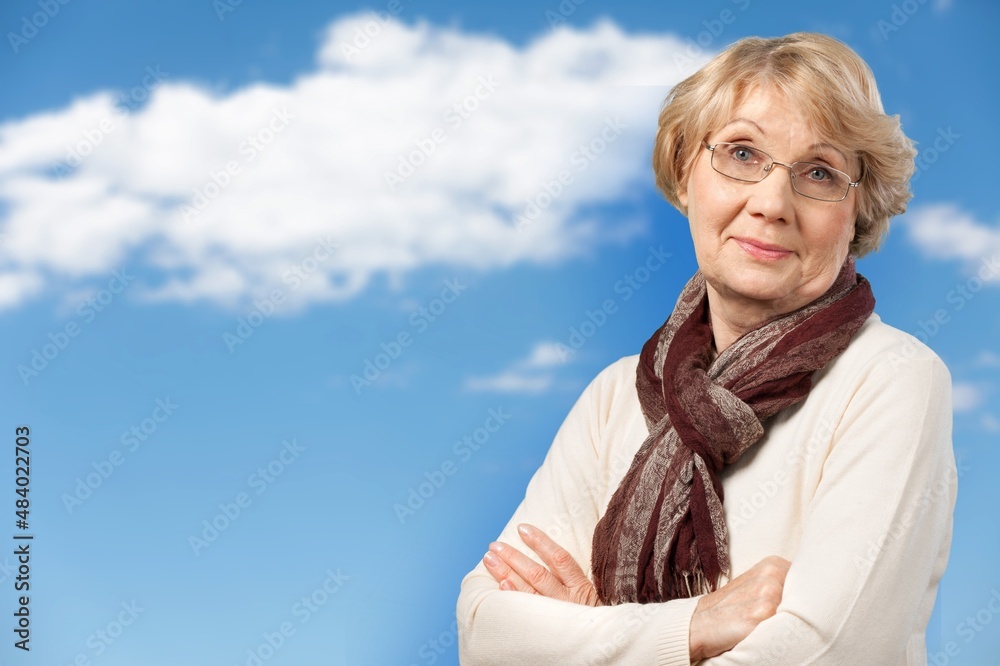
(762, 250)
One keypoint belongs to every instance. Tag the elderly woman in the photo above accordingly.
(771, 480)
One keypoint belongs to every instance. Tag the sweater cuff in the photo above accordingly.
(673, 644)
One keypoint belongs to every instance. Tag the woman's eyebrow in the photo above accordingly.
(830, 146)
(748, 122)
(814, 147)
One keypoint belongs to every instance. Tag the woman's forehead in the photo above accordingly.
(767, 111)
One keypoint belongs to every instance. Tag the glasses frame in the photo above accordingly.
(791, 174)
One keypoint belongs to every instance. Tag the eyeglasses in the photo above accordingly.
(816, 181)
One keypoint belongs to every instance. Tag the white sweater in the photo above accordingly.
(855, 486)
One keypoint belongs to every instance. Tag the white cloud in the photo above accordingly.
(990, 423)
(945, 231)
(988, 359)
(528, 375)
(308, 160)
(966, 397)
(545, 355)
(509, 382)
(15, 288)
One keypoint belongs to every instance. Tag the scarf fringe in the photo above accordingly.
(685, 579)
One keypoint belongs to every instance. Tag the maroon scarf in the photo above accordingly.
(664, 534)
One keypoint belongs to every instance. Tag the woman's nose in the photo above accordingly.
(773, 196)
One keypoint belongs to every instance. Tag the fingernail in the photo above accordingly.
(525, 529)
(506, 585)
(491, 559)
(496, 546)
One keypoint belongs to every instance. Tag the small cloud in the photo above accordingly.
(990, 423)
(945, 231)
(528, 375)
(545, 355)
(988, 359)
(966, 397)
(510, 382)
(363, 379)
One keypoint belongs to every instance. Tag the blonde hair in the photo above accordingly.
(838, 93)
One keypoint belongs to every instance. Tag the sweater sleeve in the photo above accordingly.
(509, 628)
(877, 531)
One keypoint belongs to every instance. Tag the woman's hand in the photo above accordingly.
(564, 579)
(727, 616)
(720, 621)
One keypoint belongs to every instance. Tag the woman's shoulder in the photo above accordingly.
(879, 349)
(620, 372)
(612, 390)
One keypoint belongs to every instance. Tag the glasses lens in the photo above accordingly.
(819, 182)
(740, 162)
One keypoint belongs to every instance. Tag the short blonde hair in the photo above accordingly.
(838, 93)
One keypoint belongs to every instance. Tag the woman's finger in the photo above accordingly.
(558, 558)
(531, 572)
(504, 574)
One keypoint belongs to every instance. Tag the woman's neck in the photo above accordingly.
(732, 318)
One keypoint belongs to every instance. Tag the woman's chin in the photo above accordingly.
(755, 286)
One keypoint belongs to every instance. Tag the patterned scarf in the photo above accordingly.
(664, 534)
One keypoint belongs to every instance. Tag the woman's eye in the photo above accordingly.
(741, 153)
(819, 174)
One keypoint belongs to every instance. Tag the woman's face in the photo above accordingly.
(763, 245)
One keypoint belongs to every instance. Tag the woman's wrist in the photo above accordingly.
(696, 645)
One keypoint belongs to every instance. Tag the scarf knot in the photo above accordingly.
(663, 535)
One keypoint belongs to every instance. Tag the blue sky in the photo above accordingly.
(199, 239)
